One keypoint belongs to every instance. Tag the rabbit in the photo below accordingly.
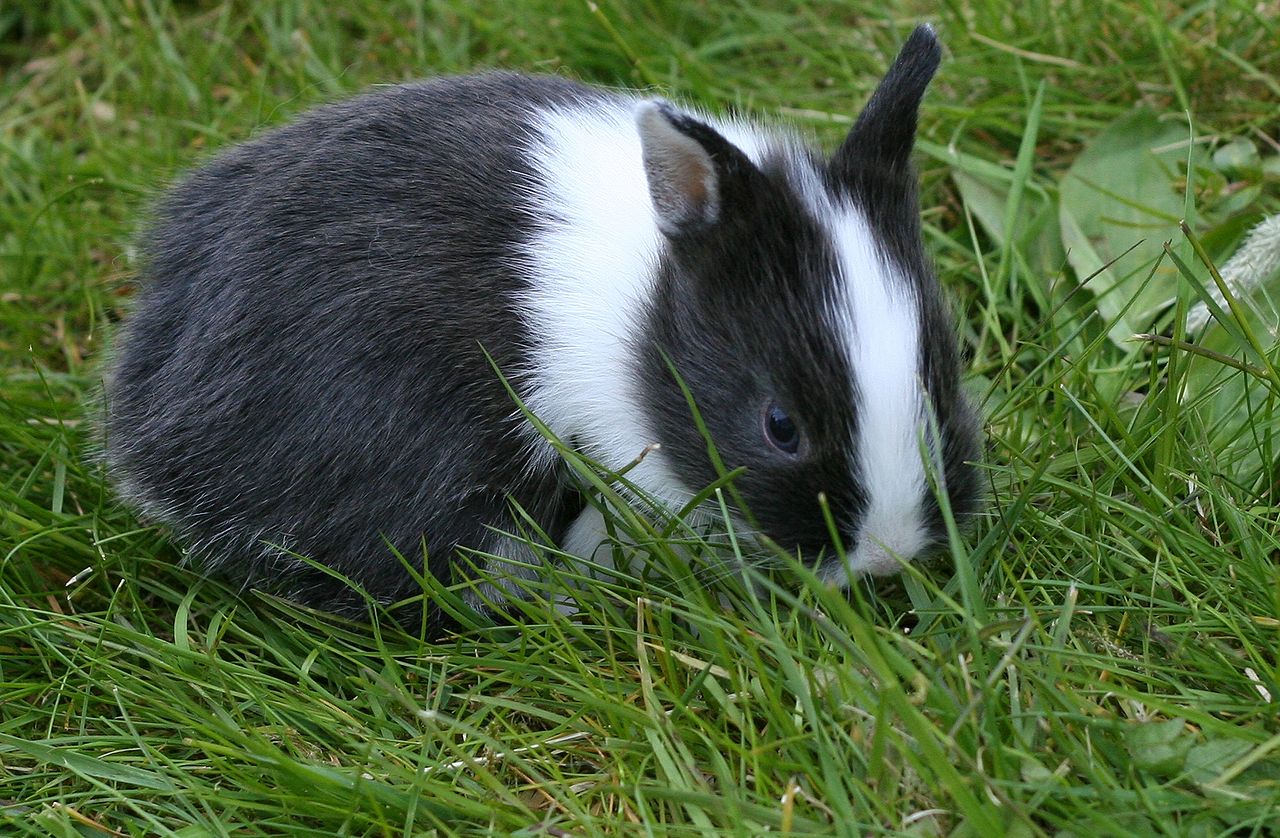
(311, 365)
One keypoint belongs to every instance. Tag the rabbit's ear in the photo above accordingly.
(884, 133)
(689, 167)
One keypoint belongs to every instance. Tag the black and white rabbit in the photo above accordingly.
(305, 369)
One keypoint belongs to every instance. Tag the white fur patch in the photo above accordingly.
(591, 272)
(877, 316)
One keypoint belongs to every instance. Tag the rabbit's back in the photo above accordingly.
(303, 368)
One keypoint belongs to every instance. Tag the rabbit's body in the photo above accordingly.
(306, 366)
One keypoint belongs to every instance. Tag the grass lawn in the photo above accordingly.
(1097, 655)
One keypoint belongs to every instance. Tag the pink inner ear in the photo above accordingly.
(692, 178)
(680, 171)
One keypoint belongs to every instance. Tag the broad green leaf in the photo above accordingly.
(1123, 191)
(985, 199)
(1160, 747)
(1206, 762)
(1035, 236)
(1238, 157)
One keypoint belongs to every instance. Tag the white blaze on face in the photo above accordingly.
(877, 315)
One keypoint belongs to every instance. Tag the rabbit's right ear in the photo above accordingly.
(884, 133)
(689, 167)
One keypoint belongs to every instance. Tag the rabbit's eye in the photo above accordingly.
(780, 430)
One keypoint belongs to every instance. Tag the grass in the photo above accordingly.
(1098, 656)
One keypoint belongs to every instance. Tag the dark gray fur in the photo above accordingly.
(303, 365)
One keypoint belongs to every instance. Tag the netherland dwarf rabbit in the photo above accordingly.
(310, 366)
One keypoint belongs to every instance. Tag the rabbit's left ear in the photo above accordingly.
(885, 132)
(690, 168)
